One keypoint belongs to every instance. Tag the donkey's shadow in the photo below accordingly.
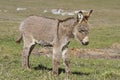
(61, 70)
(41, 67)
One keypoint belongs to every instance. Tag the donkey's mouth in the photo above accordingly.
(85, 43)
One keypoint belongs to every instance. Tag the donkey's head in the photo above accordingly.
(81, 30)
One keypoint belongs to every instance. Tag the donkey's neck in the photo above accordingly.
(66, 27)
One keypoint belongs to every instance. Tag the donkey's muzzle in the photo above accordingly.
(85, 41)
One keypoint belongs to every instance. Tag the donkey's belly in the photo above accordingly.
(44, 43)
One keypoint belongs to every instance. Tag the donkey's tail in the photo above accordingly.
(19, 38)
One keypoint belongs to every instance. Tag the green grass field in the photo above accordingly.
(104, 31)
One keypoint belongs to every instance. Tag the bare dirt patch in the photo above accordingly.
(112, 52)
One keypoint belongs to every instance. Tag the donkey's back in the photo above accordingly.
(41, 30)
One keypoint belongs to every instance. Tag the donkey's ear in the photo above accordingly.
(89, 14)
(80, 16)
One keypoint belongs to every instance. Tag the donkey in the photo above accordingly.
(55, 33)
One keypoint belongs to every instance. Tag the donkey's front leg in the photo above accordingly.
(66, 59)
(56, 59)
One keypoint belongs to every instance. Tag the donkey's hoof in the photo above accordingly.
(55, 73)
(28, 69)
(68, 72)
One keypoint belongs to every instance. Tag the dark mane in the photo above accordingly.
(63, 20)
(48, 17)
(60, 20)
(44, 17)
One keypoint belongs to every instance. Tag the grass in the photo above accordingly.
(104, 31)
(82, 69)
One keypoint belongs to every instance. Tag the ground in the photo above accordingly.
(112, 52)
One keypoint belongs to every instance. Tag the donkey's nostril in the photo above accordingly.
(85, 43)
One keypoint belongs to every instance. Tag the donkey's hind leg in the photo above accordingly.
(27, 49)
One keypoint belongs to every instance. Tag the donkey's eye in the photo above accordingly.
(81, 30)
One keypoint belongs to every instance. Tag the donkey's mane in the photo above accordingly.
(60, 20)
(49, 18)
(63, 20)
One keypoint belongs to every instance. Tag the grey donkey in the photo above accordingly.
(55, 33)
